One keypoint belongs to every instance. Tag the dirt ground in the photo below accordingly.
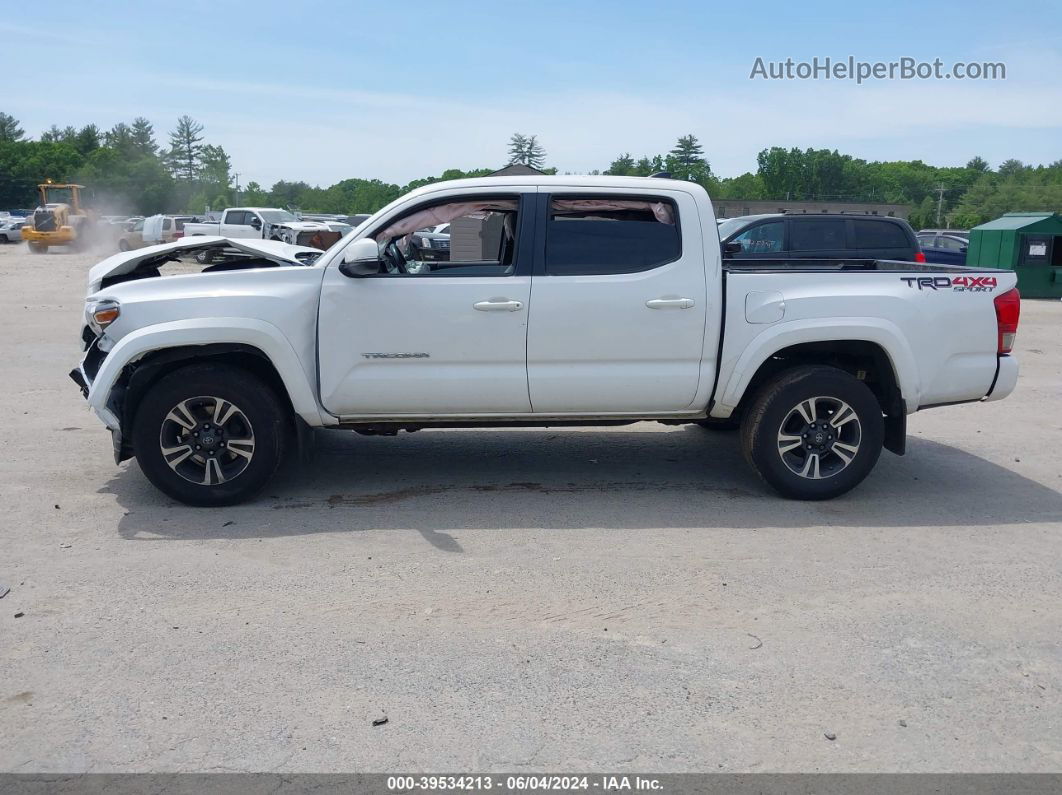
(526, 600)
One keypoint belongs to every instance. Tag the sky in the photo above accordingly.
(401, 90)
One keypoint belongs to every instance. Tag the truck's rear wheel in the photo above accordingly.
(813, 433)
(210, 434)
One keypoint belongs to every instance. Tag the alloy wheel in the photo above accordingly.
(819, 437)
(207, 440)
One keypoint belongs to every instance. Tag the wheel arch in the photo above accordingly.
(866, 361)
(143, 356)
(138, 377)
(815, 343)
(886, 369)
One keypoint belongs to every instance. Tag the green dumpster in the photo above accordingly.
(1029, 243)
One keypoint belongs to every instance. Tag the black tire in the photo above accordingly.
(840, 455)
(260, 416)
(123, 245)
(729, 424)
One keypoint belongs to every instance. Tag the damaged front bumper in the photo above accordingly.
(84, 375)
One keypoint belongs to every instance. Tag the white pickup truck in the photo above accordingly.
(266, 223)
(566, 300)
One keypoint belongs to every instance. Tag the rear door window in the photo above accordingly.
(237, 218)
(878, 234)
(819, 234)
(593, 236)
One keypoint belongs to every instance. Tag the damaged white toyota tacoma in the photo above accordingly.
(564, 301)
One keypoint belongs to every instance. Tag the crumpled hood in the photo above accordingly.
(128, 261)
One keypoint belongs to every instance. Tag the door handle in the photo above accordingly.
(670, 303)
(495, 305)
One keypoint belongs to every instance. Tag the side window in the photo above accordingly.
(237, 218)
(818, 234)
(590, 236)
(878, 234)
(951, 244)
(926, 241)
(167, 224)
(465, 238)
(138, 226)
(760, 240)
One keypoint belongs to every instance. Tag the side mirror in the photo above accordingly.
(964, 249)
(362, 258)
(733, 247)
(256, 222)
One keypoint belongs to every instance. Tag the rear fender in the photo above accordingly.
(783, 335)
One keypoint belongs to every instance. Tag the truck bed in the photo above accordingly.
(937, 322)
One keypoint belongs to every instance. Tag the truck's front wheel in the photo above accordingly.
(210, 434)
(813, 433)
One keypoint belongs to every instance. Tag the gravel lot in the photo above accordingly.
(520, 600)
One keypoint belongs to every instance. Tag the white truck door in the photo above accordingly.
(237, 223)
(618, 303)
(445, 336)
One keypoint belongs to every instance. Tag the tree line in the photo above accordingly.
(128, 171)
(125, 168)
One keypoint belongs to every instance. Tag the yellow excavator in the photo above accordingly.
(59, 223)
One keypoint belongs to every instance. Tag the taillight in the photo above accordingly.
(178, 235)
(1008, 308)
(919, 256)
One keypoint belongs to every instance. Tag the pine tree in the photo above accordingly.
(688, 154)
(143, 136)
(55, 135)
(119, 137)
(186, 145)
(517, 149)
(10, 129)
(534, 154)
(622, 166)
(88, 139)
(526, 150)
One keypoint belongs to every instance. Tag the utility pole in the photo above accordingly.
(940, 202)
(237, 176)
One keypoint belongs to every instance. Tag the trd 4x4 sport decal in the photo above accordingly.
(960, 284)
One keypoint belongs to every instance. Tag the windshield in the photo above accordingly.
(730, 226)
(277, 216)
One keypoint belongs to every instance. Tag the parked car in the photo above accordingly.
(957, 232)
(171, 227)
(946, 249)
(264, 223)
(575, 300)
(826, 237)
(431, 244)
(11, 230)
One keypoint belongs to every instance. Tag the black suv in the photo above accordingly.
(820, 236)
